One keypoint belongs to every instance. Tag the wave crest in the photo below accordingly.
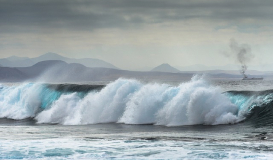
(124, 101)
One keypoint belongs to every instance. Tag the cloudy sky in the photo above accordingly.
(138, 34)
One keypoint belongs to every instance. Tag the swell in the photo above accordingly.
(257, 105)
(132, 102)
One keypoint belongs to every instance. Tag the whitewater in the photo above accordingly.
(130, 119)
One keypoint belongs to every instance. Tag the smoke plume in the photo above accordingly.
(242, 53)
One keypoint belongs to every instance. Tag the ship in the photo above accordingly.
(252, 78)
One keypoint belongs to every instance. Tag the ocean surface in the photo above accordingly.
(130, 119)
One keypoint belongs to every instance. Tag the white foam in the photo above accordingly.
(197, 102)
(97, 107)
(131, 102)
(123, 101)
(19, 102)
(67, 148)
(62, 110)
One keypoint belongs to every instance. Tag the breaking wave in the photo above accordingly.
(132, 102)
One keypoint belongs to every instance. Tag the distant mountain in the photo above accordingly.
(60, 71)
(165, 68)
(11, 75)
(15, 61)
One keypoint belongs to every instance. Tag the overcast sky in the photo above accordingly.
(136, 34)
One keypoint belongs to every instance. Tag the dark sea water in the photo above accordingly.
(129, 119)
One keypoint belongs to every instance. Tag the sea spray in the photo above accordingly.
(62, 110)
(104, 106)
(146, 102)
(126, 101)
(19, 102)
(132, 102)
(198, 103)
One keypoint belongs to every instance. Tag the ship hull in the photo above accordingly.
(252, 79)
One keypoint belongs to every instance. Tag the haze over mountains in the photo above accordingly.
(56, 71)
(60, 71)
(15, 61)
(52, 67)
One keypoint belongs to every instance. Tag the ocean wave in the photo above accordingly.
(132, 102)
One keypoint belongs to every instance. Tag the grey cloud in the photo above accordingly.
(32, 15)
(37, 15)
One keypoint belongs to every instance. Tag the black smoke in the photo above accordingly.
(242, 54)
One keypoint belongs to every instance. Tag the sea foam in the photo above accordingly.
(122, 101)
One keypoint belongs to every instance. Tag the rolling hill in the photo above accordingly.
(15, 61)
